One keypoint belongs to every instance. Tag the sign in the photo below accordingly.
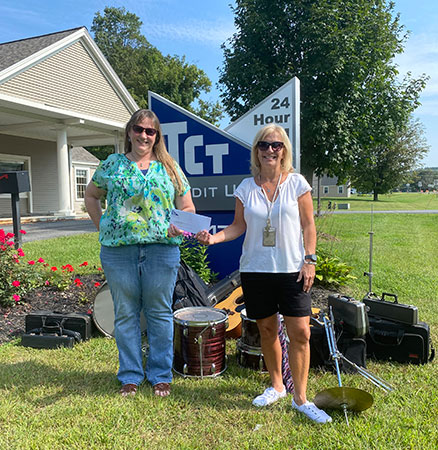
(215, 162)
(281, 108)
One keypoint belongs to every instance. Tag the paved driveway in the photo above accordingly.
(36, 231)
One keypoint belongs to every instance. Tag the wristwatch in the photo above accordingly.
(310, 259)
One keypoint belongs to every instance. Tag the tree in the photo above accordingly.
(142, 67)
(386, 164)
(336, 48)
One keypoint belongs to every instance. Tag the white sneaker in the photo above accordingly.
(269, 396)
(312, 412)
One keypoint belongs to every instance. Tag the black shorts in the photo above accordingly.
(268, 293)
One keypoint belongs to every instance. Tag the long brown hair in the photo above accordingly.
(159, 147)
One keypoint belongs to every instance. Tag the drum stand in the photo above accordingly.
(342, 397)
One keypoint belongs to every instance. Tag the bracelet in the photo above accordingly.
(310, 262)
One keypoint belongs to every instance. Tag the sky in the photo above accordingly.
(198, 28)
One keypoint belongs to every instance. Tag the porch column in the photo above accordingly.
(64, 208)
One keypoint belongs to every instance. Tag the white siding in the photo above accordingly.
(69, 80)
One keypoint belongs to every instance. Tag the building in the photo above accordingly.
(57, 93)
(328, 187)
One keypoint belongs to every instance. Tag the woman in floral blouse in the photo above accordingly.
(139, 247)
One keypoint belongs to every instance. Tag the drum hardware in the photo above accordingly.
(342, 397)
(199, 341)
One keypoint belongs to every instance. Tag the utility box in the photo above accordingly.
(343, 205)
(14, 182)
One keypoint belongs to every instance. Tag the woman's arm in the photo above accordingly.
(185, 202)
(233, 231)
(92, 202)
(305, 206)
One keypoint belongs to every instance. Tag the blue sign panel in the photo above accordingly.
(214, 162)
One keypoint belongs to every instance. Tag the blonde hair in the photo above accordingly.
(159, 148)
(286, 162)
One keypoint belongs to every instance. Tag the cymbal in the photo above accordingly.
(338, 397)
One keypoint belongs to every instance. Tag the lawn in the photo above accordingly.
(67, 398)
(389, 202)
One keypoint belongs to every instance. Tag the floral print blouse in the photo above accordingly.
(138, 205)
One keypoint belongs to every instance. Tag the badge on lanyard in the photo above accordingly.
(269, 232)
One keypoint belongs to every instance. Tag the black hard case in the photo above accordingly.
(350, 314)
(46, 341)
(395, 341)
(395, 311)
(75, 321)
(223, 288)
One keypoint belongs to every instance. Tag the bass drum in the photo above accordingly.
(103, 312)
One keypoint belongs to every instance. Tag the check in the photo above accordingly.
(189, 222)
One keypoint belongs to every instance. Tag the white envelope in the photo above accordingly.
(189, 222)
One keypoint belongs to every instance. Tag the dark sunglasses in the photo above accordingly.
(276, 146)
(149, 131)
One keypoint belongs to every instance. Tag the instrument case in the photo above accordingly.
(223, 288)
(350, 314)
(46, 341)
(395, 341)
(397, 312)
(53, 320)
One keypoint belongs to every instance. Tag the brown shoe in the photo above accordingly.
(162, 389)
(128, 389)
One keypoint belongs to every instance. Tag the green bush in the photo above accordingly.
(331, 271)
(195, 255)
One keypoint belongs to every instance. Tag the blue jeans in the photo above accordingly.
(142, 277)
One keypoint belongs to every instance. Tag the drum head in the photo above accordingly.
(199, 315)
(103, 312)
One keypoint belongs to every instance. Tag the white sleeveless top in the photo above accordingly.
(288, 254)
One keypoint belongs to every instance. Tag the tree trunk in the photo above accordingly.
(376, 196)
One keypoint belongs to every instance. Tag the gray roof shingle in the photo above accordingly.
(15, 51)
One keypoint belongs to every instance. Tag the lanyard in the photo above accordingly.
(270, 205)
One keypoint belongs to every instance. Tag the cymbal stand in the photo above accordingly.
(369, 274)
(337, 356)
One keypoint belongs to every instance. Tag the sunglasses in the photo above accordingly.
(276, 146)
(149, 131)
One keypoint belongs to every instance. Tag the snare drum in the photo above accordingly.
(103, 312)
(250, 357)
(199, 341)
(250, 331)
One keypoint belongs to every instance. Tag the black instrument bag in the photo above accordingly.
(395, 341)
(53, 320)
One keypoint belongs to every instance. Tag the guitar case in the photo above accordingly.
(223, 288)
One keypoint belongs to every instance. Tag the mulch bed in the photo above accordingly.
(51, 299)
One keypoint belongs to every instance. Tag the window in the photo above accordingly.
(340, 189)
(81, 182)
(10, 166)
(325, 189)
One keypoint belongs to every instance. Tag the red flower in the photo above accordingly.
(2, 247)
(10, 243)
(31, 262)
(78, 282)
(41, 260)
(16, 297)
(15, 283)
(47, 282)
(99, 268)
(20, 252)
(96, 284)
(68, 267)
(9, 236)
(83, 264)
(22, 232)
(53, 269)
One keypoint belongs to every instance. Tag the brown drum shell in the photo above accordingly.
(250, 331)
(189, 353)
(250, 357)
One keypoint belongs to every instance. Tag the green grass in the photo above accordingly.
(389, 202)
(59, 399)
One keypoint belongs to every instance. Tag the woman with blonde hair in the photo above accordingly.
(274, 208)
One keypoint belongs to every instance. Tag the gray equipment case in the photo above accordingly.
(350, 314)
(395, 311)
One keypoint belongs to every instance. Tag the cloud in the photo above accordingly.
(193, 31)
(421, 56)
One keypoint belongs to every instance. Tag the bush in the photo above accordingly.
(194, 255)
(331, 271)
(18, 276)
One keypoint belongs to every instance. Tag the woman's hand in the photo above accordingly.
(307, 273)
(204, 237)
(173, 231)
